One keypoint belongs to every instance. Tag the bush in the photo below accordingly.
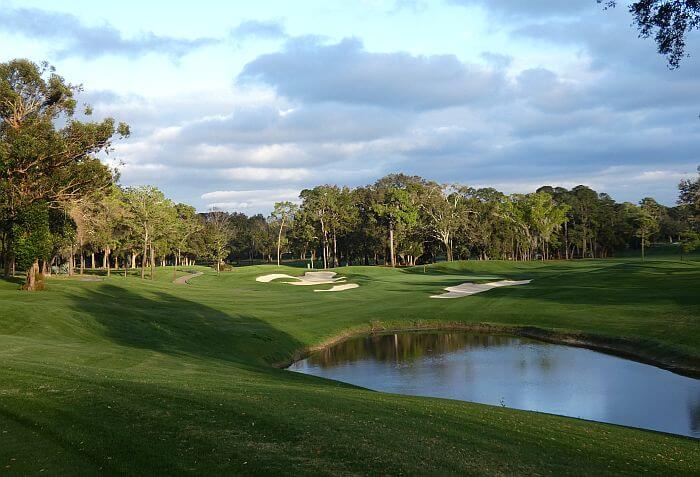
(60, 270)
(225, 267)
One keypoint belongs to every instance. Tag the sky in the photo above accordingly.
(236, 105)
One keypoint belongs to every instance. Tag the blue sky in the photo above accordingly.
(239, 104)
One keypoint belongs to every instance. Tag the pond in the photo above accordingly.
(518, 373)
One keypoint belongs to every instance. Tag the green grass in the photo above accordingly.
(137, 377)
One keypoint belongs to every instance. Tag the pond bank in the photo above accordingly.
(653, 354)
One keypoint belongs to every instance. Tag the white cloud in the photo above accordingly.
(260, 174)
(249, 200)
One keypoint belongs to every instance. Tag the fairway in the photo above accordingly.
(126, 376)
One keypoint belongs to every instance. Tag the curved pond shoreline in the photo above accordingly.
(516, 372)
(668, 359)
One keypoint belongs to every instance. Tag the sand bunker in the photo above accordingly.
(339, 288)
(317, 278)
(466, 289)
(308, 279)
(274, 276)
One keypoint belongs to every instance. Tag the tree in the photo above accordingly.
(303, 235)
(217, 235)
(668, 21)
(396, 210)
(689, 205)
(647, 221)
(188, 224)
(32, 240)
(283, 213)
(152, 214)
(79, 212)
(40, 163)
(689, 200)
(445, 209)
(342, 216)
(108, 220)
(546, 217)
(319, 203)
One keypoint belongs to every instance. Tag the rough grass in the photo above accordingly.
(137, 377)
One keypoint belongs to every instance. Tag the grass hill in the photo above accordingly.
(126, 376)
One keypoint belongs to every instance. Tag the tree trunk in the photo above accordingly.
(70, 263)
(279, 241)
(335, 250)
(325, 245)
(153, 260)
(107, 252)
(32, 282)
(10, 266)
(92, 260)
(391, 245)
(448, 251)
(145, 254)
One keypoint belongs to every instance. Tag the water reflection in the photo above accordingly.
(518, 373)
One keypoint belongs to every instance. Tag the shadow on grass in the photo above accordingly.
(170, 324)
(620, 284)
(16, 280)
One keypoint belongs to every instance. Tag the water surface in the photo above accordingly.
(518, 373)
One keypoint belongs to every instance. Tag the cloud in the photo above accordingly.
(310, 71)
(249, 200)
(259, 30)
(304, 123)
(90, 42)
(530, 8)
(415, 6)
(583, 112)
(498, 60)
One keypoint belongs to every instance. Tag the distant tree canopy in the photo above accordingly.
(667, 21)
(689, 210)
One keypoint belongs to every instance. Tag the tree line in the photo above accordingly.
(62, 210)
(408, 220)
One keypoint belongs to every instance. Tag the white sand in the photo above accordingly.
(339, 288)
(317, 278)
(466, 289)
(308, 279)
(269, 278)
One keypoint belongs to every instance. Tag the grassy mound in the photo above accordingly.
(126, 376)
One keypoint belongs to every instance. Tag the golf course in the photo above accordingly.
(332, 238)
(118, 375)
